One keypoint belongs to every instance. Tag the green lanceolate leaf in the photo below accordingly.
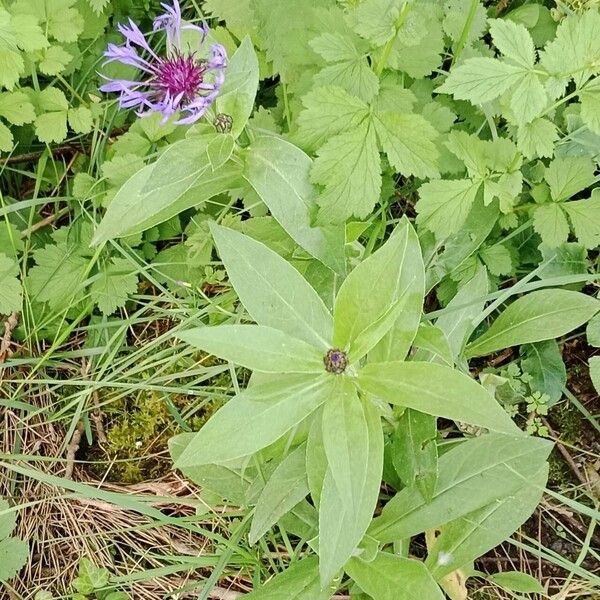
(471, 536)
(538, 316)
(286, 488)
(256, 347)
(279, 172)
(273, 292)
(300, 581)
(257, 417)
(236, 97)
(415, 453)
(432, 345)
(392, 577)
(436, 390)
(475, 473)
(353, 441)
(357, 307)
(316, 460)
(468, 304)
(517, 582)
(181, 178)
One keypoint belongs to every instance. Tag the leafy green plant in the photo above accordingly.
(314, 415)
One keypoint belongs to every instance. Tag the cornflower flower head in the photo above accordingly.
(181, 81)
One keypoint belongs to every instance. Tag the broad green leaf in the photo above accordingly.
(392, 577)
(550, 222)
(529, 99)
(432, 345)
(537, 139)
(567, 176)
(353, 441)
(354, 75)
(115, 283)
(544, 363)
(410, 279)
(219, 150)
(13, 557)
(256, 347)
(51, 127)
(300, 581)
(286, 487)
(436, 390)
(6, 138)
(11, 293)
(279, 172)
(585, 218)
(255, 418)
(594, 365)
(236, 97)
(481, 80)
(514, 41)
(180, 179)
(273, 292)
(55, 60)
(375, 20)
(471, 536)
(16, 108)
(349, 168)
(517, 582)
(444, 205)
(540, 315)
(592, 331)
(12, 67)
(329, 111)
(475, 473)
(415, 453)
(81, 119)
(356, 306)
(30, 36)
(468, 304)
(408, 141)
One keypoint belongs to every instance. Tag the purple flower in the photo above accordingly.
(180, 82)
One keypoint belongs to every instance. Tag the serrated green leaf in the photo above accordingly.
(238, 14)
(10, 286)
(408, 141)
(335, 47)
(392, 577)
(279, 172)
(256, 347)
(568, 176)
(286, 487)
(54, 60)
(537, 138)
(537, 316)
(273, 292)
(117, 281)
(81, 119)
(585, 218)
(481, 80)
(16, 108)
(444, 205)
(6, 138)
(550, 222)
(29, 35)
(590, 105)
(355, 76)
(328, 111)
(267, 410)
(514, 41)
(51, 127)
(375, 20)
(353, 442)
(529, 99)
(13, 557)
(497, 259)
(349, 168)
(544, 364)
(473, 474)
(11, 67)
(455, 21)
(449, 393)
(8, 519)
(58, 275)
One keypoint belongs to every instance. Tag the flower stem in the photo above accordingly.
(390, 44)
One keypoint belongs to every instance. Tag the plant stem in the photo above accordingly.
(390, 44)
(462, 41)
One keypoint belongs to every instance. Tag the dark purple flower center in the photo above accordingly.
(335, 361)
(180, 75)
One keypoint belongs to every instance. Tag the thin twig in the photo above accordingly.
(72, 449)
(9, 326)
